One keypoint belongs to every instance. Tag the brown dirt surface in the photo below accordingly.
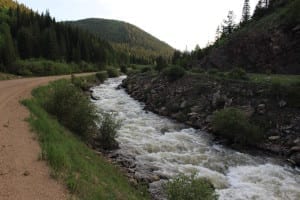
(22, 175)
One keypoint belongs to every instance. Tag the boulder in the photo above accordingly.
(275, 137)
(261, 108)
(296, 158)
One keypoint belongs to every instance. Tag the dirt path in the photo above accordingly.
(22, 175)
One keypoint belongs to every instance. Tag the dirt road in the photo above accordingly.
(22, 175)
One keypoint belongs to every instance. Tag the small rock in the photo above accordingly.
(209, 119)
(295, 149)
(282, 103)
(275, 137)
(296, 158)
(183, 104)
(133, 182)
(261, 108)
(297, 141)
(26, 173)
(94, 97)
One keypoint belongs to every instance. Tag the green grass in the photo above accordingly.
(275, 78)
(87, 176)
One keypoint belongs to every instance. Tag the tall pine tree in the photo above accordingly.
(246, 12)
(229, 24)
(7, 48)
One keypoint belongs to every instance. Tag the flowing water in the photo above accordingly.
(171, 148)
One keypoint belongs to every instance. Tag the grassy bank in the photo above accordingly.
(87, 175)
(5, 76)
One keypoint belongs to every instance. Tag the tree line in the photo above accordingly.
(26, 34)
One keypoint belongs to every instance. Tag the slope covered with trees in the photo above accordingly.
(127, 38)
(25, 34)
(269, 41)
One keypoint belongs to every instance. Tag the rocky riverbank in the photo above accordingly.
(193, 99)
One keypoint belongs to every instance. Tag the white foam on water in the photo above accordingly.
(173, 148)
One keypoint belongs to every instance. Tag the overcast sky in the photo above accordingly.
(180, 23)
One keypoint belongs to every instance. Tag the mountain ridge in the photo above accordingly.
(125, 36)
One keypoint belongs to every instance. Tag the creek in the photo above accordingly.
(169, 148)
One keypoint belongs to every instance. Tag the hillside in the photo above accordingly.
(126, 37)
(269, 42)
(35, 44)
(8, 4)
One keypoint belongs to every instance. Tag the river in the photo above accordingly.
(171, 148)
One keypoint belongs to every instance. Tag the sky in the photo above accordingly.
(181, 23)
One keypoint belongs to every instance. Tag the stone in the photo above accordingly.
(275, 137)
(195, 109)
(94, 97)
(295, 149)
(26, 173)
(282, 103)
(215, 98)
(297, 141)
(183, 104)
(133, 182)
(261, 108)
(209, 119)
(157, 190)
(296, 158)
(248, 110)
(146, 177)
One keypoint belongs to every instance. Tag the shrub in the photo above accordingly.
(233, 124)
(190, 188)
(107, 132)
(198, 70)
(102, 76)
(213, 71)
(161, 63)
(71, 107)
(146, 69)
(41, 67)
(112, 72)
(238, 73)
(173, 73)
(123, 69)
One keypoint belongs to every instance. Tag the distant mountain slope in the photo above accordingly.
(8, 4)
(12, 4)
(126, 37)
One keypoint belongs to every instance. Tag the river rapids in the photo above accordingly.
(172, 148)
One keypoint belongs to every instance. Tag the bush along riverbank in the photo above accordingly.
(242, 113)
(86, 174)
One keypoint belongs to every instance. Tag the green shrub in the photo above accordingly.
(293, 95)
(161, 63)
(123, 69)
(213, 71)
(190, 188)
(173, 73)
(107, 132)
(42, 67)
(197, 70)
(238, 73)
(112, 72)
(233, 124)
(63, 100)
(102, 76)
(146, 69)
